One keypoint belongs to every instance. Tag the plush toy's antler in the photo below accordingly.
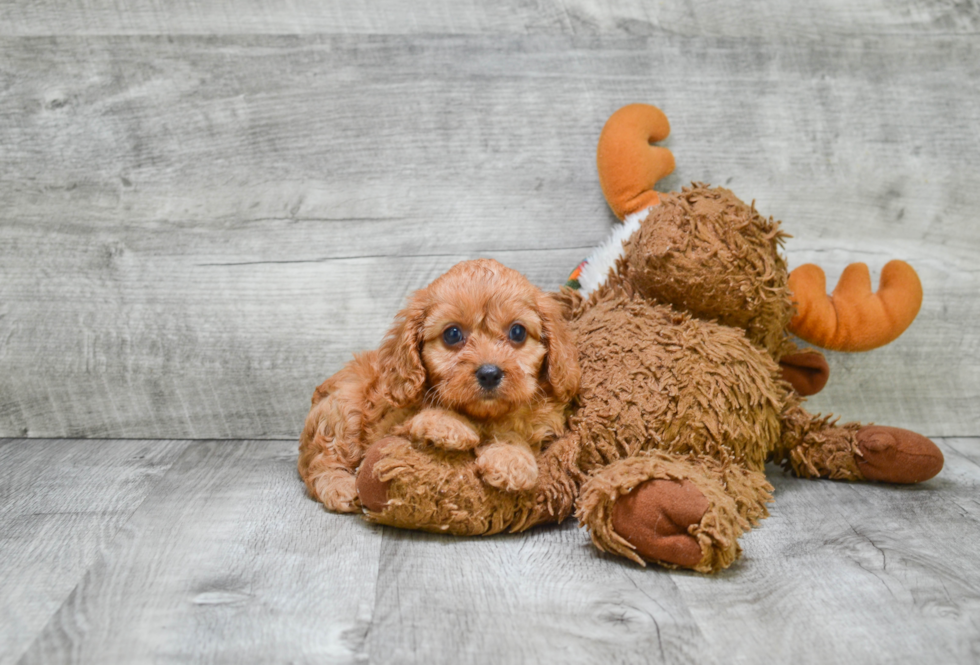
(628, 165)
(854, 318)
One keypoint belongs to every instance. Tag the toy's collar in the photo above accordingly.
(593, 271)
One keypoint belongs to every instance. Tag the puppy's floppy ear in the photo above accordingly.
(561, 364)
(402, 374)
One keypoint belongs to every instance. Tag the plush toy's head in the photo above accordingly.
(706, 252)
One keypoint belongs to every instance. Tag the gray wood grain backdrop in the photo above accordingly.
(206, 208)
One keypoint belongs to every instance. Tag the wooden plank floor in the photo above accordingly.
(207, 206)
(209, 551)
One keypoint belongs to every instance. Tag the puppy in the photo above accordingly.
(480, 360)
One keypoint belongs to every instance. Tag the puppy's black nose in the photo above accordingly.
(489, 376)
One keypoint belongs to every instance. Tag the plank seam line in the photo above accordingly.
(326, 259)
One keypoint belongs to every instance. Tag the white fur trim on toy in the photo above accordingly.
(603, 258)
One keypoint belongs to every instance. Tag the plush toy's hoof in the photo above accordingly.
(655, 518)
(893, 455)
(372, 492)
(806, 371)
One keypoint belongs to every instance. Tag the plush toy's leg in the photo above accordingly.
(371, 490)
(816, 447)
(678, 511)
(441, 491)
(429, 489)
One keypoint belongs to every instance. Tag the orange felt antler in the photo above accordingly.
(629, 166)
(853, 318)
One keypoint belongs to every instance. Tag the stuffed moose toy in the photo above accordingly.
(689, 384)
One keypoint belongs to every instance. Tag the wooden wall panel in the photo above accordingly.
(772, 19)
(195, 231)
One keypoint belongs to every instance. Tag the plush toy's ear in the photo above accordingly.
(807, 371)
(853, 318)
(402, 374)
(629, 166)
(561, 364)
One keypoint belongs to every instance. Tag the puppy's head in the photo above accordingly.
(481, 340)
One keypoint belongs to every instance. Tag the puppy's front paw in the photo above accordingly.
(337, 492)
(507, 466)
(443, 429)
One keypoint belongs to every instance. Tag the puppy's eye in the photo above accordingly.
(452, 335)
(517, 333)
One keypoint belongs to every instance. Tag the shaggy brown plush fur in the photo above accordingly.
(682, 402)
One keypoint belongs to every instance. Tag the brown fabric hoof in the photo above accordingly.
(806, 371)
(893, 455)
(655, 518)
(372, 492)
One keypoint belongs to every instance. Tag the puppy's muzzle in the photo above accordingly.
(489, 376)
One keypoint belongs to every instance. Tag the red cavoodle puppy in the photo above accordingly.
(479, 363)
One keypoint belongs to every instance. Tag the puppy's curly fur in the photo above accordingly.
(423, 384)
